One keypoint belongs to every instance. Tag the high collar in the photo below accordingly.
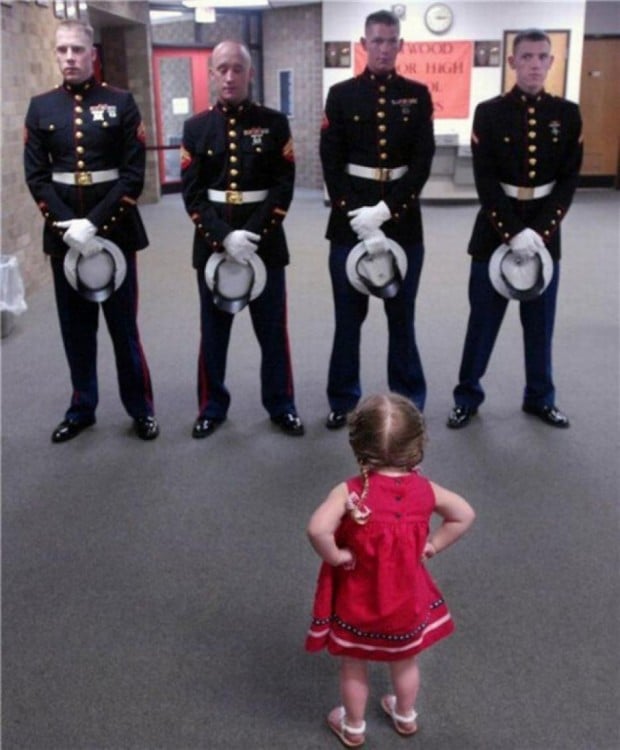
(378, 78)
(233, 109)
(526, 98)
(79, 88)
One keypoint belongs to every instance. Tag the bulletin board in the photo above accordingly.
(556, 78)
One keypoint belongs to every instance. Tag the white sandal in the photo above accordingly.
(405, 725)
(349, 736)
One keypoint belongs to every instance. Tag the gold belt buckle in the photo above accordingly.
(83, 178)
(525, 193)
(235, 197)
(382, 174)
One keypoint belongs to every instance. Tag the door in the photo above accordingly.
(181, 81)
(600, 107)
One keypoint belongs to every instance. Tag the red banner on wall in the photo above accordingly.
(444, 66)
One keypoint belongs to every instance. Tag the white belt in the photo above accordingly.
(237, 197)
(382, 174)
(527, 193)
(85, 178)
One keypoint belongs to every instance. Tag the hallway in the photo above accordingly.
(156, 595)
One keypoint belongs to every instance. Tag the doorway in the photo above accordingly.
(600, 109)
(181, 82)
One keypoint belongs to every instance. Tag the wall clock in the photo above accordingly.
(438, 18)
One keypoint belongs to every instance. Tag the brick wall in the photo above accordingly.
(292, 40)
(28, 67)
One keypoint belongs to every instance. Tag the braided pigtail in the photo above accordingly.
(356, 507)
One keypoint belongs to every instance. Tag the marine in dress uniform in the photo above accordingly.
(85, 159)
(376, 146)
(238, 174)
(527, 152)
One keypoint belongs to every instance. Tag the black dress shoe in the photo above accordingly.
(147, 428)
(205, 426)
(289, 423)
(549, 414)
(460, 416)
(70, 428)
(336, 420)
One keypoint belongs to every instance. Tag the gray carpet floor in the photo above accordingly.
(156, 595)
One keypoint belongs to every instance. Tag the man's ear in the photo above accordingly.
(511, 61)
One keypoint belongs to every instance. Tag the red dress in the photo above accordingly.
(387, 607)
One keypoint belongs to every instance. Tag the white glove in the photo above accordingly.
(525, 244)
(375, 243)
(91, 247)
(79, 232)
(367, 219)
(241, 244)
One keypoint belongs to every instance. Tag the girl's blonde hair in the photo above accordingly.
(386, 430)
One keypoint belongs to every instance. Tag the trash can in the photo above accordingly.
(12, 300)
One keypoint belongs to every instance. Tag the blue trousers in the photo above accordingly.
(404, 367)
(487, 309)
(79, 322)
(269, 320)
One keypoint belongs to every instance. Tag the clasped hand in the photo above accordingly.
(241, 244)
(80, 235)
(526, 243)
(366, 220)
(375, 243)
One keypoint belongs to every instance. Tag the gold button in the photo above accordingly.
(79, 134)
(532, 161)
(500, 223)
(405, 119)
(234, 172)
(210, 152)
(105, 124)
(79, 121)
(506, 139)
(356, 118)
(232, 133)
(78, 97)
(531, 174)
(531, 148)
(233, 186)
(531, 110)
(233, 121)
(382, 128)
(80, 149)
(380, 114)
(259, 149)
(383, 156)
(531, 134)
(80, 164)
(506, 236)
(233, 146)
(78, 110)
(531, 122)
(233, 159)
(559, 212)
(382, 141)
(382, 89)
(553, 222)
(381, 100)
(51, 126)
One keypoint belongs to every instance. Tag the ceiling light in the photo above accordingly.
(226, 3)
(164, 15)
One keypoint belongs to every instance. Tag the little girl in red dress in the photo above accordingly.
(375, 600)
